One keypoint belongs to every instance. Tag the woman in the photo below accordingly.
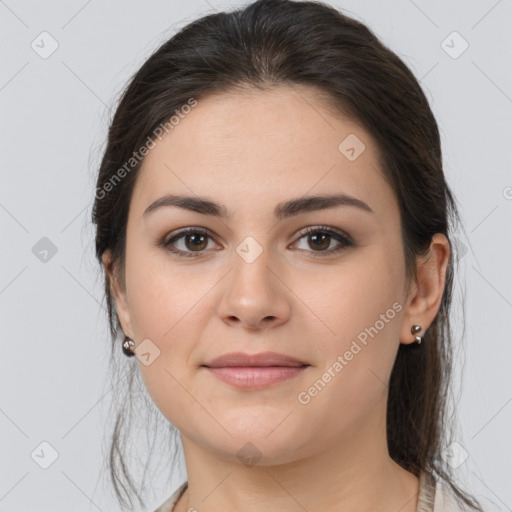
(274, 225)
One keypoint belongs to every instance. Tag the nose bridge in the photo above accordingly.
(253, 291)
(252, 268)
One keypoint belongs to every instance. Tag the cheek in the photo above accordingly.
(167, 309)
(361, 312)
(355, 363)
(161, 294)
(357, 300)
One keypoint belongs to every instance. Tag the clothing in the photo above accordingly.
(433, 497)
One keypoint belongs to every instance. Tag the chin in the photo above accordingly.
(260, 447)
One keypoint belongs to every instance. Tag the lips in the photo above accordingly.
(255, 371)
(263, 359)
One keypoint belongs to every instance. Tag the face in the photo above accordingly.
(254, 282)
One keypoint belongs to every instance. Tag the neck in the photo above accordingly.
(356, 475)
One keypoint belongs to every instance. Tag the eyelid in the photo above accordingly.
(328, 229)
(185, 231)
(344, 239)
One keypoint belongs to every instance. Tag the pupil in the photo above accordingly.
(315, 237)
(196, 243)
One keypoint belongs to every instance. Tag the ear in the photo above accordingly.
(426, 293)
(118, 291)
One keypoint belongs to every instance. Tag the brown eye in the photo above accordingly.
(320, 238)
(194, 240)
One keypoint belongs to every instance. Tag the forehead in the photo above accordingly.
(265, 146)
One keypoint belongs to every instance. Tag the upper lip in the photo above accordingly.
(261, 359)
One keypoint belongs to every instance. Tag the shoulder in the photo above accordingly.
(168, 504)
(436, 495)
(445, 500)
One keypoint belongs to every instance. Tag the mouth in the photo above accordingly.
(261, 360)
(257, 371)
(255, 377)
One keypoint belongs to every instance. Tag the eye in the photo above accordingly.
(320, 237)
(195, 240)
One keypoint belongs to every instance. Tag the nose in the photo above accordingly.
(254, 295)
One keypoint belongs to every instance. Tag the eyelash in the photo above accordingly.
(340, 237)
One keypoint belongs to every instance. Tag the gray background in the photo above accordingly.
(54, 113)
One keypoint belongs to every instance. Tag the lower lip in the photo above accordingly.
(255, 377)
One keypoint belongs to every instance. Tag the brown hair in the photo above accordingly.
(271, 43)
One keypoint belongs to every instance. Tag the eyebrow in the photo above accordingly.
(282, 210)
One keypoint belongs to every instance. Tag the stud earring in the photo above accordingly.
(414, 330)
(127, 347)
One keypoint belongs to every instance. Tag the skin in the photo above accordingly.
(249, 152)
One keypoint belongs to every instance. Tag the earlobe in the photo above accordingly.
(118, 294)
(425, 298)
